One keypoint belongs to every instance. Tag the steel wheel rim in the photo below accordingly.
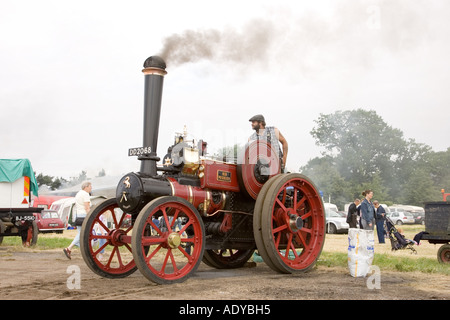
(113, 243)
(257, 223)
(169, 253)
(444, 254)
(293, 244)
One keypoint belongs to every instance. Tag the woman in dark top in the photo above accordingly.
(367, 211)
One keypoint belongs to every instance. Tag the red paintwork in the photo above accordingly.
(45, 201)
(196, 196)
(219, 176)
(258, 151)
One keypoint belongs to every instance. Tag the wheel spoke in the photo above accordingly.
(108, 264)
(100, 249)
(187, 255)
(281, 204)
(155, 227)
(119, 224)
(306, 230)
(128, 247)
(280, 228)
(119, 256)
(301, 238)
(288, 246)
(277, 241)
(174, 264)
(299, 204)
(294, 251)
(166, 219)
(166, 258)
(147, 259)
(284, 195)
(306, 215)
(174, 219)
(99, 236)
(185, 227)
(115, 218)
(101, 224)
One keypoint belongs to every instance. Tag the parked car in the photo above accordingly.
(48, 221)
(417, 212)
(399, 216)
(342, 214)
(419, 217)
(335, 223)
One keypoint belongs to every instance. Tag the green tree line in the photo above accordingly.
(361, 151)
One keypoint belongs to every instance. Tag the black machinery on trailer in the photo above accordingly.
(437, 227)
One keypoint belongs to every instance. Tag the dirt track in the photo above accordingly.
(38, 274)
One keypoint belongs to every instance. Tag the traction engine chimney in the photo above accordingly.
(154, 71)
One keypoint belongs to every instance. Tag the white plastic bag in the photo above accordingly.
(360, 251)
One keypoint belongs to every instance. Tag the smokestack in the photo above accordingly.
(154, 71)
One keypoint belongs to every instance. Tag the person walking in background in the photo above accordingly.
(82, 207)
(367, 211)
(352, 214)
(379, 220)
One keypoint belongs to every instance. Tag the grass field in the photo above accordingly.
(334, 253)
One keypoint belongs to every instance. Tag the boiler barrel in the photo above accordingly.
(134, 192)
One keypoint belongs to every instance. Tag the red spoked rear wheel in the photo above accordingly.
(291, 230)
(105, 241)
(168, 240)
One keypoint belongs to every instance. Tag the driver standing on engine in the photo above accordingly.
(270, 134)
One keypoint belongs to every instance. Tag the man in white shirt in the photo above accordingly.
(82, 207)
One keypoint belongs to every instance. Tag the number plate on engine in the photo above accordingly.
(139, 151)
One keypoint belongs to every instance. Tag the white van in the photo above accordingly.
(64, 207)
(330, 206)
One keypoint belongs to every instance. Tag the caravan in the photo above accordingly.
(64, 207)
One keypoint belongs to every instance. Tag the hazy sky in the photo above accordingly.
(71, 86)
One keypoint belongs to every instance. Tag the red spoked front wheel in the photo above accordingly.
(105, 241)
(291, 224)
(168, 240)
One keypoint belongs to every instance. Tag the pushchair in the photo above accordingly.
(398, 241)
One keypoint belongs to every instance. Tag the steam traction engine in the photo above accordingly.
(193, 209)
